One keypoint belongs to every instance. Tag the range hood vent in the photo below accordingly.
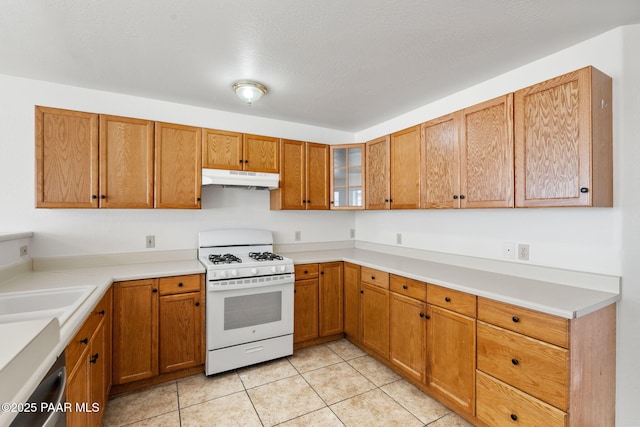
(240, 179)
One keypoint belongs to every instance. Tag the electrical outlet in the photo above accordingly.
(399, 238)
(523, 252)
(24, 250)
(298, 236)
(509, 250)
(352, 233)
(151, 242)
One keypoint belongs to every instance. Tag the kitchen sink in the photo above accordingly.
(37, 304)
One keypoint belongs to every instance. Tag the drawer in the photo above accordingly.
(375, 277)
(457, 301)
(499, 404)
(409, 287)
(545, 327)
(535, 367)
(80, 342)
(306, 271)
(179, 284)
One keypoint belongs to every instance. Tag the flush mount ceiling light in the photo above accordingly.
(249, 91)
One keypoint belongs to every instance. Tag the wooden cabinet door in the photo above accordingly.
(260, 153)
(221, 149)
(292, 191)
(451, 356)
(66, 158)
(331, 303)
(135, 330)
(180, 334)
(99, 375)
(317, 176)
(375, 318)
(78, 391)
(440, 186)
(377, 161)
(407, 335)
(352, 301)
(405, 169)
(305, 309)
(178, 166)
(563, 141)
(126, 162)
(486, 154)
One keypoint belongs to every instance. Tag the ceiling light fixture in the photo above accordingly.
(249, 91)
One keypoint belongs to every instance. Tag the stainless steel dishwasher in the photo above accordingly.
(48, 398)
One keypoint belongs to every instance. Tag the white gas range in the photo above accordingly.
(249, 301)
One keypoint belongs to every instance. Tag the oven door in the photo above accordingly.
(239, 316)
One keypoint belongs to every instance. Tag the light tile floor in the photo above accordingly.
(333, 384)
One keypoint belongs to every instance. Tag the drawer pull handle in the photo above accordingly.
(85, 341)
(515, 361)
(514, 417)
(101, 312)
(404, 287)
(447, 299)
(306, 272)
(515, 319)
(373, 277)
(180, 284)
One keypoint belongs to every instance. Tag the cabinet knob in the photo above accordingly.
(322, 272)
(240, 160)
(405, 287)
(390, 200)
(101, 312)
(447, 299)
(361, 291)
(154, 290)
(421, 314)
(455, 197)
(306, 272)
(93, 196)
(426, 316)
(94, 358)
(514, 417)
(198, 303)
(180, 284)
(461, 196)
(102, 196)
(246, 161)
(584, 190)
(85, 341)
(515, 361)
(373, 277)
(198, 199)
(515, 319)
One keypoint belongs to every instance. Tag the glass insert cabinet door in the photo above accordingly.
(347, 178)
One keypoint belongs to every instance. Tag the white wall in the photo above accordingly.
(602, 240)
(61, 232)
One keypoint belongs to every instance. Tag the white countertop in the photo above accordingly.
(552, 298)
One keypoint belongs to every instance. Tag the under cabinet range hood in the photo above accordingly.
(240, 179)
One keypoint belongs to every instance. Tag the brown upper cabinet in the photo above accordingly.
(405, 169)
(237, 151)
(304, 176)
(178, 172)
(467, 157)
(66, 158)
(126, 162)
(347, 176)
(563, 141)
(377, 161)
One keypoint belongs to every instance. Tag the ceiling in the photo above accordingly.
(340, 64)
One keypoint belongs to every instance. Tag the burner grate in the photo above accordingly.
(265, 256)
(224, 259)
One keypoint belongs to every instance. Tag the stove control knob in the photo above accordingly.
(282, 268)
(234, 273)
(273, 268)
(223, 273)
(254, 271)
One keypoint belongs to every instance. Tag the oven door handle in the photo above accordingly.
(254, 349)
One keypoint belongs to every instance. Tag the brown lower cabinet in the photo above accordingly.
(157, 327)
(374, 309)
(88, 364)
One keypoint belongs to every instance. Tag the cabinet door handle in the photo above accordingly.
(154, 290)
(94, 358)
(447, 299)
(246, 161)
(373, 277)
(421, 314)
(85, 341)
(515, 319)
(514, 417)
(101, 312)
(455, 197)
(180, 284)
(240, 160)
(102, 196)
(461, 196)
(93, 196)
(404, 287)
(306, 272)
(198, 303)
(515, 362)
(584, 190)
(322, 272)
(426, 316)
(386, 200)
(198, 199)
(361, 291)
